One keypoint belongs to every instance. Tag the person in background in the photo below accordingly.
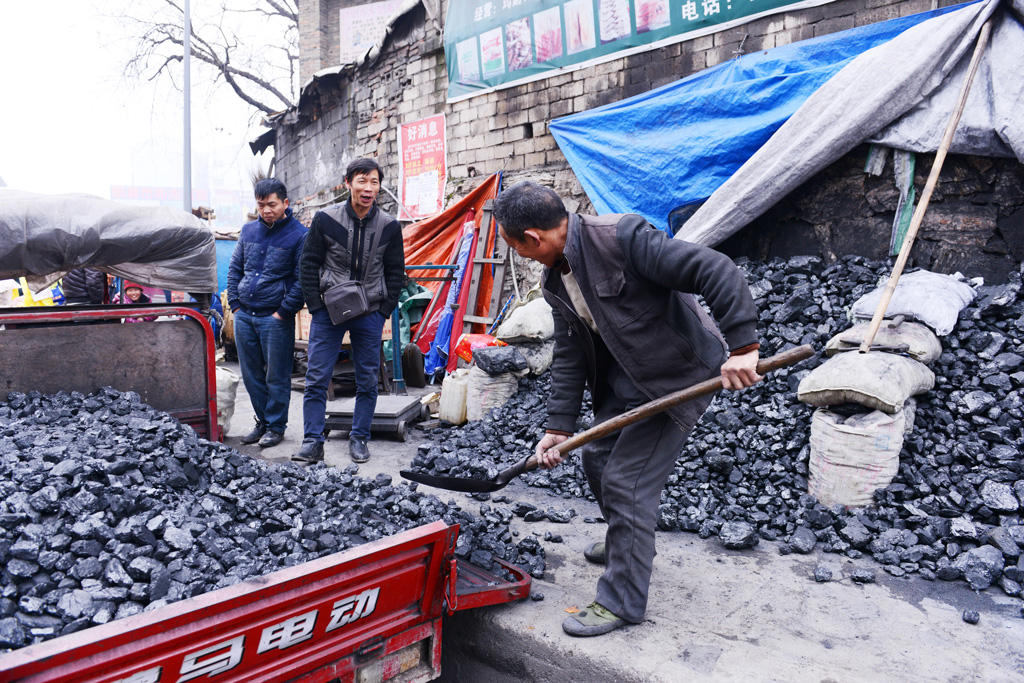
(85, 286)
(341, 240)
(264, 294)
(133, 294)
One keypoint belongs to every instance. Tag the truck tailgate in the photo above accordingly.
(371, 613)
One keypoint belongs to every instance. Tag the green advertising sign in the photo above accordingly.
(491, 44)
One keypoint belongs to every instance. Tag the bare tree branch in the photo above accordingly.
(257, 72)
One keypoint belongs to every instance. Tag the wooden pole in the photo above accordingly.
(940, 157)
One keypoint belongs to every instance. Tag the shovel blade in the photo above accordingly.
(466, 485)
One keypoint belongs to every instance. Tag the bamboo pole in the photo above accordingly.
(940, 157)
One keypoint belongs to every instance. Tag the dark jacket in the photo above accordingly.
(84, 286)
(329, 256)
(263, 277)
(639, 285)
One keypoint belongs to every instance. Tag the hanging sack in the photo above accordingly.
(852, 457)
(347, 300)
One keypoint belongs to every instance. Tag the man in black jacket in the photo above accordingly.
(354, 241)
(85, 286)
(627, 325)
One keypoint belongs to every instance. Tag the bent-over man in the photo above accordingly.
(627, 325)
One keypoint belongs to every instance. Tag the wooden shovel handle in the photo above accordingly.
(780, 360)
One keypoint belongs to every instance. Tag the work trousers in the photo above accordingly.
(325, 339)
(626, 472)
(266, 348)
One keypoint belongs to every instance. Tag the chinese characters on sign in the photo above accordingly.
(228, 654)
(497, 43)
(422, 171)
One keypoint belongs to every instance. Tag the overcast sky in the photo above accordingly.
(70, 122)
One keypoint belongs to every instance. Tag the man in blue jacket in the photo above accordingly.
(264, 294)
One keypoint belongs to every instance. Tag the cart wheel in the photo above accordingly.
(401, 431)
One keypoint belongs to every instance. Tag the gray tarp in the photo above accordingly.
(900, 94)
(42, 237)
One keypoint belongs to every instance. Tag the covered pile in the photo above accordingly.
(953, 509)
(109, 508)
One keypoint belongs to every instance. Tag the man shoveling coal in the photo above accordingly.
(627, 324)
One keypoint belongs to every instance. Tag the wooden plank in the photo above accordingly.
(477, 268)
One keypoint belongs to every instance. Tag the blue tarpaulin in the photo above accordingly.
(677, 144)
(436, 358)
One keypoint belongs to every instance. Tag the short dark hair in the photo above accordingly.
(526, 206)
(265, 187)
(363, 167)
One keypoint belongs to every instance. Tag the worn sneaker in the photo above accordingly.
(357, 450)
(271, 438)
(311, 451)
(255, 434)
(595, 620)
(595, 552)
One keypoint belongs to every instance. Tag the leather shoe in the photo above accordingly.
(255, 434)
(311, 451)
(357, 450)
(271, 438)
(595, 552)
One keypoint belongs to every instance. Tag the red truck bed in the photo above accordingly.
(370, 614)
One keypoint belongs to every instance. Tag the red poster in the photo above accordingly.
(423, 168)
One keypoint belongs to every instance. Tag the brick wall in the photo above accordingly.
(505, 130)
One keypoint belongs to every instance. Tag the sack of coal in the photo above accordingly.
(484, 392)
(880, 381)
(853, 456)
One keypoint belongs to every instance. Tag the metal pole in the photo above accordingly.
(186, 193)
(398, 380)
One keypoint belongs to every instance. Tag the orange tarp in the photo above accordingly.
(434, 240)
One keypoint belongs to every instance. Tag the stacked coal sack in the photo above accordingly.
(953, 509)
(109, 508)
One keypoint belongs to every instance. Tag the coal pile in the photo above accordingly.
(953, 510)
(110, 508)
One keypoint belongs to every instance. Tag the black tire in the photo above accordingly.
(412, 366)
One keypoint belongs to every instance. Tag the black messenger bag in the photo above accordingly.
(347, 300)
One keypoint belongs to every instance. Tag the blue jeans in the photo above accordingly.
(325, 340)
(266, 348)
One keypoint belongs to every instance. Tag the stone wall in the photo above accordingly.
(357, 114)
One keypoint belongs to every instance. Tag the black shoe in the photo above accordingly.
(255, 434)
(357, 450)
(271, 438)
(595, 552)
(311, 451)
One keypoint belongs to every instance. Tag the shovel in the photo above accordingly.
(470, 485)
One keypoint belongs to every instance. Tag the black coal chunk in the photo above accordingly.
(738, 535)
(498, 360)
